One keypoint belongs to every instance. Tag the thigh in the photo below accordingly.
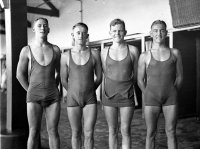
(111, 114)
(52, 113)
(75, 117)
(126, 115)
(90, 116)
(34, 114)
(170, 114)
(151, 114)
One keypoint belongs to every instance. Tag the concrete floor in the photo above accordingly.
(188, 132)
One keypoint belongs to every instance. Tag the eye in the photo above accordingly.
(162, 31)
(155, 30)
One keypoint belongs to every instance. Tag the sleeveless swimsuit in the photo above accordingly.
(160, 89)
(118, 88)
(81, 86)
(42, 83)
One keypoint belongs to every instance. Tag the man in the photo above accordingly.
(36, 69)
(160, 86)
(79, 65)
(120, 73)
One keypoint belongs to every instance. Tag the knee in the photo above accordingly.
(125, 130)
(151, 133)
(113, 130)
(76, 133)
(52, 131)
(88, 134)
(170, 132)
(34, 133)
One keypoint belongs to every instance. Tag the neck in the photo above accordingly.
(118, 45)
(80, 48)
(41, 41)
(157, 46)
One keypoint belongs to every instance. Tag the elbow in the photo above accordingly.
(18, 76)
(99, 80)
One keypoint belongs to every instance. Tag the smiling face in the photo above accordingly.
(117, 32)
(80, 35)
(158, 33)
(41, 27)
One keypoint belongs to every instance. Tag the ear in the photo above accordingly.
(125, 32)
(48, 30)
(151, 33)
(33, 29)
(166, 32)
(72, 35)
(87, 36)
(110, 33)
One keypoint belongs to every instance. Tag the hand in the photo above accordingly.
(65, 99)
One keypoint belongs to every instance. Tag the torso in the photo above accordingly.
(42, 83)
(118, 80)
(81, 78)
(123, 63)
(161, 75)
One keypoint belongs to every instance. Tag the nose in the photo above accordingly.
(41, 27)
(159, 32)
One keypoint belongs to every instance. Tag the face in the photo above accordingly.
(117, 32)
(158, 33)
(41, 27)
(80, 35)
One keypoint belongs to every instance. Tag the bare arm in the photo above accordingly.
(179, 69)
(134, 55)
(103, 57)
(141, 72)
(58, 56)
(98, 67)
(64, 74)
(22, 68)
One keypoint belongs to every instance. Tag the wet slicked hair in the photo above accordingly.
(81, 24)
(117, 21)
(40, 18)
(159, 22)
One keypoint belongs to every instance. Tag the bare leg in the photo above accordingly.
(90, 116)
(75, 116)
(126, 114)
(111, 114)
(52, 113)
(34, 113)
(170, 113)
(151, 114)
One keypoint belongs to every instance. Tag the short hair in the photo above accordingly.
(159, 22)
(80, 24)
(40, 18)
(117, 21)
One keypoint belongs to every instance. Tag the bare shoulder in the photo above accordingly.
(145, 56)
(65, 56)
(95, 52)
(25, 52)
(56, 49)
(133, 49)
(104, 52)
(175, 52)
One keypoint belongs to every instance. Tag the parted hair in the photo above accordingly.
(81, 24)
(159, 22)
(117, 21)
